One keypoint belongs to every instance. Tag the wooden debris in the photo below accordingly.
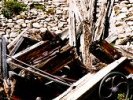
(22, 43)
(125, 51)
(59, 68)
(11, 45)
(104, 51)
(50, 61)
(85, 86)
(4, 63)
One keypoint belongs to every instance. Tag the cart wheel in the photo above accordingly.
(112, 85)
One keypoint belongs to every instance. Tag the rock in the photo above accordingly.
(11, 25)
(128, 29)
(49, 27)
(131, 1)
(2, 32)
(129, 19)
(45, 25)
(2, 16)
(8, 30)
(20, 21)
(13, 34)
(121, 36)
(28, 18)
(118, 24)
(124, 9)
(124, 2)
(116, 1)
(36, 25)
(24, 25)
(42, 30)
(65, 17)
(130, 9)
(54, 28)
(116, 9)
(59, 16)
(131, 27)
(27, 21)
(29, 25)
(36, 0)
(1, 25)
(52, 24)
(49, 2)
(33, 12)
(120, 16)
(58, 12)
(58, 31)
(130, 23)
(61, 24)
(10, 20)
(17, 26)
(59, 1)
(65, 12)
(48, 19)
(120, 30)
(119, 41)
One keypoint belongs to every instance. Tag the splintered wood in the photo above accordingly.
(49, 65)
(80, 12)
(64, 66)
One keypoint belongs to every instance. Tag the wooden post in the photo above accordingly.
(81, 13)
(72, 24)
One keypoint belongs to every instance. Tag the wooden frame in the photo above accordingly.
(86, 84)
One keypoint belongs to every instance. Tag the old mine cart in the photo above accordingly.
(51, 69)
(82, 66)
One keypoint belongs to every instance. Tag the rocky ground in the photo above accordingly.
(54, 18)
(37, 20)
(121, 22)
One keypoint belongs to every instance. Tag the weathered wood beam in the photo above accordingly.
(72, 25)
(81, 16)
(85, 85)
(125, 51)
(41, 71)
(104, 51)
(4, 63)
(103, 20)
(22, 43)
(1, 58)
(40, 74)
(12, 44)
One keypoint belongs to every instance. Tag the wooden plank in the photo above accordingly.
(23, 43)
(101, 21)
(104, 51)
(72, 26)
(81, 11)
(4, 63)
(127, 51)
(78, 89)
(26, 51)
(12, 44)
(12, 52)
(0, 58)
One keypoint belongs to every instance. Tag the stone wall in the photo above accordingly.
(121, 22)
(37, 20)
